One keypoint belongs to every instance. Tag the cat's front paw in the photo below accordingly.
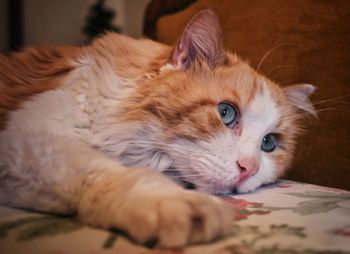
(175, 220)
(152, 208)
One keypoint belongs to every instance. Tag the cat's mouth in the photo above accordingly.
(176, 176)
(188, 184)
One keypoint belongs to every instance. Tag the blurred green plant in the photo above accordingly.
(99, 20)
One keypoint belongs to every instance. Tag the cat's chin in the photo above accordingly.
(217, 191)
(247, 186)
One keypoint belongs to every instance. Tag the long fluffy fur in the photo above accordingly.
(82, 127)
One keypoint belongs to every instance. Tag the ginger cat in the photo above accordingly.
(88, 131)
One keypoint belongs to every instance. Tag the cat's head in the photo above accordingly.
(213, 119)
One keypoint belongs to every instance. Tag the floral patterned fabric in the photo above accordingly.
(286, 217)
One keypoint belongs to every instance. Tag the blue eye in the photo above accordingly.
(269, 143)
(228, 113)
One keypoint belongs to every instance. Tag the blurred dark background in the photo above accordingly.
(40, 22)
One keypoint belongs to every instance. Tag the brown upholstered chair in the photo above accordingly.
(308, 41)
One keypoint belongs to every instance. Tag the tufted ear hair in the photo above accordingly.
(298, 95)
(201, 40)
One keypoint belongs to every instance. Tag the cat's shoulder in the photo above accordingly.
(128, 45)
(30, 72)
(39, 69)
(120, 51)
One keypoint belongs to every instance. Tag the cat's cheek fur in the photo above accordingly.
(209, 164)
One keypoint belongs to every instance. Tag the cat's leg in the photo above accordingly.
(150, 206)
(58, 174)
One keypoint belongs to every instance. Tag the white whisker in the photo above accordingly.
(276, 46)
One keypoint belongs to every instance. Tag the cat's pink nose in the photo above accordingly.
(248, 167)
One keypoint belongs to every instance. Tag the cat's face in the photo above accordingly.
(222, 126)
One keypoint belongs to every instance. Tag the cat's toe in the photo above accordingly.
(213, 219)
(193, 218)
(174, 223)
(174, 219)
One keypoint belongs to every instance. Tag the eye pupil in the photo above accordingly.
(227, 113)
(269, 143)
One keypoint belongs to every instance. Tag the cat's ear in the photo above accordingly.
(201, 40)
(298, 95)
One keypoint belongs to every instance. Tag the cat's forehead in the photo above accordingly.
(244, 87)
(187, 103)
